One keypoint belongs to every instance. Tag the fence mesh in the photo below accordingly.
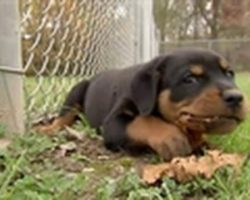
(66, 40)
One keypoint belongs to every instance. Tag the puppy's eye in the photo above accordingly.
(190, 79)
(229, 73)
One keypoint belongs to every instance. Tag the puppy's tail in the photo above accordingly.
(73, 104)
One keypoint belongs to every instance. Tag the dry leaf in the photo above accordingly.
(103, 157)
(67, 147)
(74, 133)
(152, 173)
(4, 143)
(184, 169)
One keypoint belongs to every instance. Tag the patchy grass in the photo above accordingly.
(37, 167)
(49, 92)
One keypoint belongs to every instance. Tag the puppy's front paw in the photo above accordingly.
(173, 144)
(164, 138)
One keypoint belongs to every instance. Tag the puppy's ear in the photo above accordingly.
(144, 86)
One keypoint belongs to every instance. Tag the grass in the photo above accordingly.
(50, 90)
(36, 167)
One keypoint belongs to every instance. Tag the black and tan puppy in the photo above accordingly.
(167, 104)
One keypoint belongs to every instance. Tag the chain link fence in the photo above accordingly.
(236, 51)
(64, 41)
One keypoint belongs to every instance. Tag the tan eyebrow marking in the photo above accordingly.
(197, 69)
(224, 63)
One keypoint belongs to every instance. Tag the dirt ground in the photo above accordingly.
(89, 156)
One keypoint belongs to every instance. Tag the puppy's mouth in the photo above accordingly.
(209, 124)
(209, 119)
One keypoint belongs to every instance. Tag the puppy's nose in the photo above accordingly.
(232, 98)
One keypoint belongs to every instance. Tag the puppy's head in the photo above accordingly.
(197, 92)
(194, 89)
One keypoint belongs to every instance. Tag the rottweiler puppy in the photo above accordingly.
(167, 104)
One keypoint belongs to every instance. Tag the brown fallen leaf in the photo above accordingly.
(184, 169)
(4, 143)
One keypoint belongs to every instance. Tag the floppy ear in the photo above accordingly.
(144, 86)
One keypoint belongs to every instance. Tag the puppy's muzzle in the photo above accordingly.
(232, 98)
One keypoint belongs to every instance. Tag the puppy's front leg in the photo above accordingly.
(166, 139)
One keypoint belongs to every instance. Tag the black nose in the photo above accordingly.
(232, 98)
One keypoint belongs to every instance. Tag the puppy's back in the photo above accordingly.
(104, 92)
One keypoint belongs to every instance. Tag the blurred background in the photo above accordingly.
(221, 25)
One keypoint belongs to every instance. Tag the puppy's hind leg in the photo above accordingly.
(69, 112)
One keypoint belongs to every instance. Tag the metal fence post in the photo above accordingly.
(146, 31)
(11, 85)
